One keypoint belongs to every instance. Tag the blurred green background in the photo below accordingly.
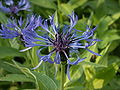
(95, 73)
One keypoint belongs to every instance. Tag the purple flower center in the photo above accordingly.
(60, 43)
(14, 9)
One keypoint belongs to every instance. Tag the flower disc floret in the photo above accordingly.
(13, 8)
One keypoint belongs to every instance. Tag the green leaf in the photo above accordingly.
(81, 24)
(113, 59)
(77, 3)
(14, 43)
(106, 7)
(101, 59)
(8, 51)
(76, 72)
(113, 35)
(75, 88)
(47, 82)
(4, 42)
(104, 76)
(113, 46)
(109, 37)
(41, 80)
(56, 18)
(44, 3)
(113, 85)
(89, 72)
(104, 22)
(9, 67)
(3, 18)
(86, 63)
(66, 8)
(98, 83)
(34, 57)
(112, 6)
(16, 78)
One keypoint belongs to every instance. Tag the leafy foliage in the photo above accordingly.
(95, 72)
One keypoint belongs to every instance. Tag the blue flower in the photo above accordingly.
(62, 41)
(22, 28)
(11, 7)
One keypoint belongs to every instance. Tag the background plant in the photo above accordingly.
(93, 73)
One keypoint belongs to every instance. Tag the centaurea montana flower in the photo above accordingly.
(62, 41)
(12, 8)
(21, 28)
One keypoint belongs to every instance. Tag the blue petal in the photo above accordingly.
(22, 2)
(77, 61)
(75, 44)
(4, 9)
(30, 44)
(25, 7)
(20, 21)
(7, 33)
(57, 58)
(93, 40)
(53, 24)
(50, 61)
(9, 2)
(73, 20)
(93, 52)
(45, 57)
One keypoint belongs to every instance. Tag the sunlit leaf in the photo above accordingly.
(102, 77)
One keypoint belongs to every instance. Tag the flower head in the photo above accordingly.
(11, 7)
(21, 28)
(62, 41)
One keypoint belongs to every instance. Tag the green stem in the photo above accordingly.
(62, 76)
